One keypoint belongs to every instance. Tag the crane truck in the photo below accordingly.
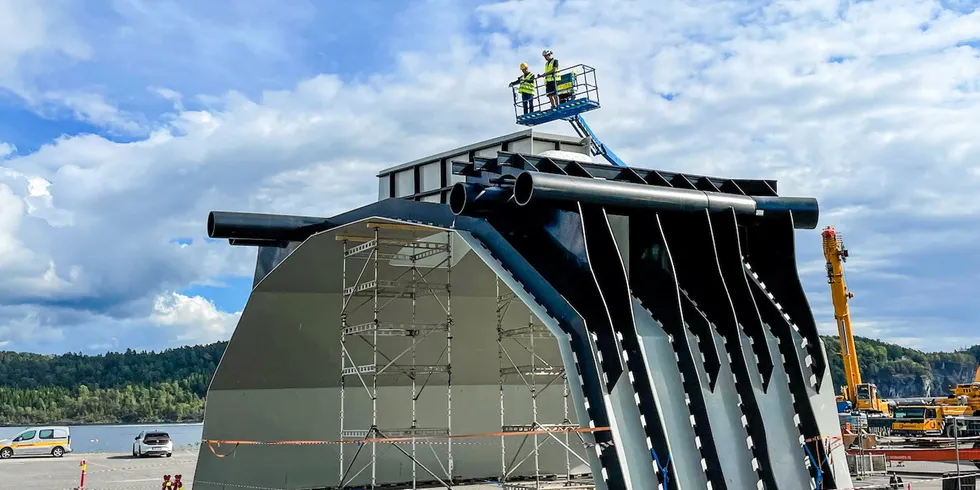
(855, 395)
(965, 394)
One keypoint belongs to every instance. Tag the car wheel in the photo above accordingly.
(170, 454)
(58, 452)
(6, 453)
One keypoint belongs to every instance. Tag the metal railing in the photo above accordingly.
(573, 83)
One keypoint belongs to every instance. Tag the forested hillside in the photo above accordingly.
(902, 372)
(170, 386)
(128, 387)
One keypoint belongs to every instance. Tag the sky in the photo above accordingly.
(124, 122)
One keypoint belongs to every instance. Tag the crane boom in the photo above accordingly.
(836, 254)
(863, 396)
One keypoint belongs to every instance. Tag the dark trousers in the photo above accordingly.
(528, 100)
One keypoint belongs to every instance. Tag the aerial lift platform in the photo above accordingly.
(577, 93)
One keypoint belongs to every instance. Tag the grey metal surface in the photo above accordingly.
(278, 379)
(780, 422)
(429, 178)
(659, 354)
(568, 358)
(525, 141)
(628, 432)
(727, 427)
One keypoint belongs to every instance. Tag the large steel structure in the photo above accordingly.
(671, 301)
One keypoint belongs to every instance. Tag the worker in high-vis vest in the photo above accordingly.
(525, 86)
(550, 77)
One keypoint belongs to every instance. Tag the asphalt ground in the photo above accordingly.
(123, 472)
(104, 471)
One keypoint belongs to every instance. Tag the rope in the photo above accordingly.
(662, 467)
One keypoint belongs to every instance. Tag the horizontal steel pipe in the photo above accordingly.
(472, 199)
(805, 210)
(254, 226)
(537, 186)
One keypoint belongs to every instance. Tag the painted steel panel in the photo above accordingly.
(658, 352)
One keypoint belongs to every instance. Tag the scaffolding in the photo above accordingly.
(537, 375)
(396, 264)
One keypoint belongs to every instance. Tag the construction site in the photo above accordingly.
(530, 312)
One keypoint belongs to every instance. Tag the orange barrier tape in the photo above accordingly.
(418, 438)
(823, 438)
(212, 442)
(406, 438)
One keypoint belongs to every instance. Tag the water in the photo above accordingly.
(118, 438)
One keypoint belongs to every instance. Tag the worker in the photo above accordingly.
(550, 77)
(525, 84)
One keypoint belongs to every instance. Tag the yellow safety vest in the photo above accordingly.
(527, 84)
(549, 71)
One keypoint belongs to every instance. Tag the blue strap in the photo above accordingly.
(663, 468)
(816, 464)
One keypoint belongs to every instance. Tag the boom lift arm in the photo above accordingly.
(598, 148)
(863, 396)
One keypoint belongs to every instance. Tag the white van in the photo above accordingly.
(38, 441)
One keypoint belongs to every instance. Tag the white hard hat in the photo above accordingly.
(546, 52)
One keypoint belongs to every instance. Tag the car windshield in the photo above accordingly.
(910, 412)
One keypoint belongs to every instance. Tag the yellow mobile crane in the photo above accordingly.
(965, 394)
(863, 397)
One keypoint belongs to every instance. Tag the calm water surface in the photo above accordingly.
(118, 438)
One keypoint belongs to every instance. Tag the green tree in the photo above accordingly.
(126, 387)
(903, 372)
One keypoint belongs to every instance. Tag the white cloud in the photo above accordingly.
(194, 320)
(92, 108)
(885, 138)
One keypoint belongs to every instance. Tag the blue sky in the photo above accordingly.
(123, 122)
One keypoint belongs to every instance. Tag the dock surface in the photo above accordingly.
(109, 471)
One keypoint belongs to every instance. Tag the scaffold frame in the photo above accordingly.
(538, 367)
(378, 293)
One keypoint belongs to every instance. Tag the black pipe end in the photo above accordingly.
(523, 188)
(458, 196)
(477, 200)
(211, 224)
(805, 210)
